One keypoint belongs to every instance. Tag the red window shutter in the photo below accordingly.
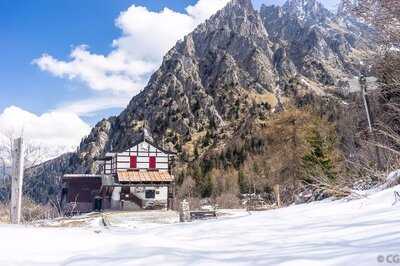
(152, 162)
(133, 164)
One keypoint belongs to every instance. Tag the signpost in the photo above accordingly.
(17, 180)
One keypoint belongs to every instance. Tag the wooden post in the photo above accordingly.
(277, 195)
(17, 180)
(170, 197)
(184, 211)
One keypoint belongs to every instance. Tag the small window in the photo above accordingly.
(125, 190)
(133, 162)
(150, 194)
(152, 162)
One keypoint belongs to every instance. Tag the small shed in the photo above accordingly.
(79, 192)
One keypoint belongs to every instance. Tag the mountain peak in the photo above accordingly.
(301, 4)
(305, 9)
(238, 17)
(242, 3)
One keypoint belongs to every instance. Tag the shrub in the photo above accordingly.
(228, 201)
(4, 213)
(31, 211)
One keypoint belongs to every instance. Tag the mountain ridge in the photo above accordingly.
(239, 63)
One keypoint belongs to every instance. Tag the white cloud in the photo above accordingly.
(88, 107)
(55, 132)
(146, 37)
(114, 77)
(101, 73)
(203, 9)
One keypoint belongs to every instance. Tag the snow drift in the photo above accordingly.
(320, 233)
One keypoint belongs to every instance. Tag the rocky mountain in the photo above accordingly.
(239, 63)
(312, 42)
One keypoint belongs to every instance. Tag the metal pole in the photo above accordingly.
(363, 85)
(17, 180)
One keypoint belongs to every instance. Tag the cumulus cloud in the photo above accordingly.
(114, 77)
(113, 73)
(54, 132)
(146, 37)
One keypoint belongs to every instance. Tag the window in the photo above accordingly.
(150, 194)
(152, 162)
(133, 162)
(125, 190)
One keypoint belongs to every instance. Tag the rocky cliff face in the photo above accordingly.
(239, 62)
(312, 42)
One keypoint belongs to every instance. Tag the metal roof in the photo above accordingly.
(144, 176)
(70, 176)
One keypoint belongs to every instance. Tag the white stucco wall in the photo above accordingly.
(161, 196)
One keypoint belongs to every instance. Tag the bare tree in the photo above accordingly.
(33, 152)
(33, 155)
(187, 188)
(384, 15)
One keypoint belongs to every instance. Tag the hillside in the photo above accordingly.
(321, 233)
(235, 70)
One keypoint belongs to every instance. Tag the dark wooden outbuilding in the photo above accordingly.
(79, 192)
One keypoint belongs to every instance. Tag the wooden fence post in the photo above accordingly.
(17, 180)
(277, 195)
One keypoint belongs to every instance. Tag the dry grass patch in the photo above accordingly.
(4, 214)
(267, 97)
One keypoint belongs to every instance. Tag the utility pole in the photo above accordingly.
(364, 94)
(17, 179)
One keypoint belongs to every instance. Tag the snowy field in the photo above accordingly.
(321, 233)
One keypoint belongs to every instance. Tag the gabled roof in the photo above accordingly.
(143, 138)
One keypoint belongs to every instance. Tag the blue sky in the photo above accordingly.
(83, 60)
(32, 27)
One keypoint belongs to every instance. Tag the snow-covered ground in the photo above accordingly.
(321, 233)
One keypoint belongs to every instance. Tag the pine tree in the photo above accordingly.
(243, 182)
(317, 161)
(206, 186)
(196, 151)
